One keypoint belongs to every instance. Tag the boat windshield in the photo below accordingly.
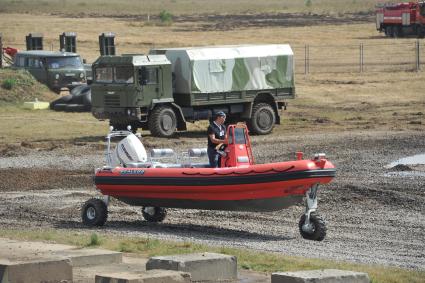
(240, 137)
(117, 75)
(64, 62)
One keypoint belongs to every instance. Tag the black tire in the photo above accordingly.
(56, 90)
(397, 32)
(420, 31)
(318, 232)
(94, 212)
(390, 31)
(154, 213)
(386, 32)
(75, 108)
(162, 122)
(61, 100)
(262, 119)
(59, 107)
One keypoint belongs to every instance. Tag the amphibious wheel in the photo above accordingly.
(163, 122)
(154, 213)
(94, 212)
(315, 230)
(263, 119)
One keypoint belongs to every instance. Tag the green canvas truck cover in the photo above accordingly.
(230, 68)
(135, 60)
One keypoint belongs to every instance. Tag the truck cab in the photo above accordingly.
(57, 70)
(126, 88)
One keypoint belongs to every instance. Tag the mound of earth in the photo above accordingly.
(17, 86)
(401, 167)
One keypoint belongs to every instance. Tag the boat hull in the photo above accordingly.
(253, 205)
(266, 187)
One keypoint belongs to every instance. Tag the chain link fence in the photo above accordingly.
(379, 57)
(397, 55)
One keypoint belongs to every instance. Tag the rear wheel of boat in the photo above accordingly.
(94, 212)
(154, 213)
(315, 230)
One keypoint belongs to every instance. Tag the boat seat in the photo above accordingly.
(198, 165)
(167, 165)
(138, 165)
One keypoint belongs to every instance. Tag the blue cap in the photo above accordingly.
(220, 114)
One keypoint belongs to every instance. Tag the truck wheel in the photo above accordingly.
(316, 231)
(163, 122)
(262, 120)
(390, 31)
(94, 212)
(386, 32)
(154, 213)
(397, 32)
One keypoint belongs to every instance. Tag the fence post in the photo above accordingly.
(418, 56)
(1, 51)
(305, 59)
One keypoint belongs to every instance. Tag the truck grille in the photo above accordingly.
(69, 80)
(112, 100)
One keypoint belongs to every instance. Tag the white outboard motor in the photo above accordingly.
(129, 150)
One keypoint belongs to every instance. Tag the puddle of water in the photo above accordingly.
(411, 160)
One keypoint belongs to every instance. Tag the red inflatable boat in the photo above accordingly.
(239, 185)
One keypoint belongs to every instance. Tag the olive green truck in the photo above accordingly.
(165, 89)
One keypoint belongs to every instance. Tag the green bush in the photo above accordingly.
(9, 83)
(308, 3)
(166, 17)
(94, 240)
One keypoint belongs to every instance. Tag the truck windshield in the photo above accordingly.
(118, 75)
(64, 62)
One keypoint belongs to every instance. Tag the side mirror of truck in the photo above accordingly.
(143, 76)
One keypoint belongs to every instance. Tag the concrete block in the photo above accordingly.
(36, 105)
(43, 270)
(151, 276)
(88, 257)
(201, 266)
(321, 276)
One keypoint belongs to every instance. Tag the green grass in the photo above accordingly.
(19, 85)
(8, 84)
(247, 259)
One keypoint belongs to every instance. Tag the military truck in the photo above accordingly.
(165, 89)
(57, 70)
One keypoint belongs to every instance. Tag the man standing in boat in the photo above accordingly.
(216, 135)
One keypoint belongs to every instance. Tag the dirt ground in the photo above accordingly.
(374, 214)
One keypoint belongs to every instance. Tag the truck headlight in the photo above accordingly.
(57, 76)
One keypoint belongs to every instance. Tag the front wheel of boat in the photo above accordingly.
(154, 213)
(94, 212)
(314, 230)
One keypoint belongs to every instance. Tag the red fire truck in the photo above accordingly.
(401, 19)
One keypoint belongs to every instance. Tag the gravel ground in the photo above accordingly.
(374, 215)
